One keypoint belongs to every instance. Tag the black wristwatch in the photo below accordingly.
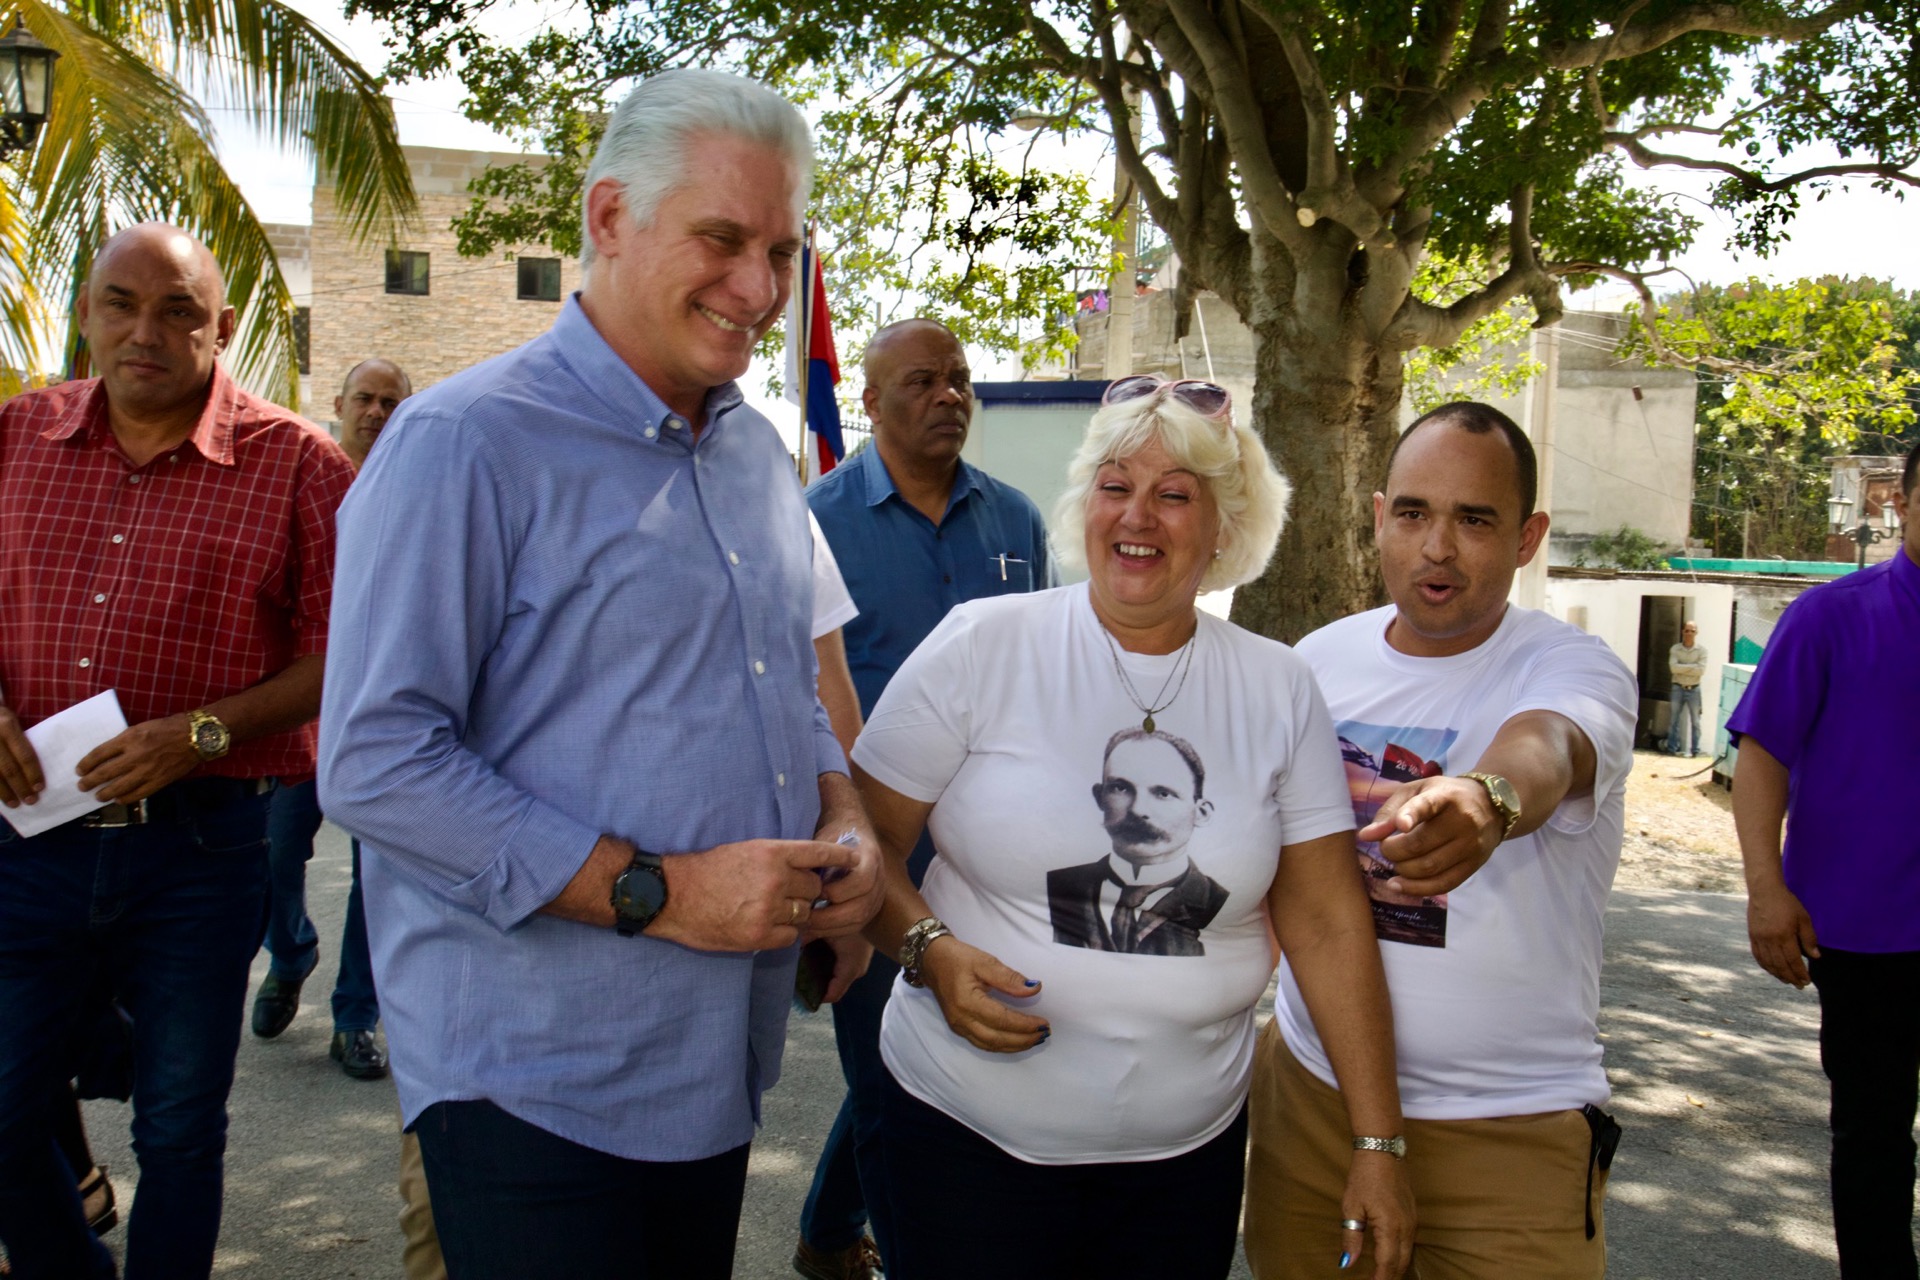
(639, 894)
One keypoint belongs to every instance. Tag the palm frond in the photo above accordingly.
(295, 84)
(126, 143)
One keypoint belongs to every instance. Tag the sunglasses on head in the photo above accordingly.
(1208, 399)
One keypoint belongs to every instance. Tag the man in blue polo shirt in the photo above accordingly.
(1825, 743)
(916, 531)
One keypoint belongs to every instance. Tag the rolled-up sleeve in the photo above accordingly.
(422, 593)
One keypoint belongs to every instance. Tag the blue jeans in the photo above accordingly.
(170, 913)
(1679, 699)
(511, 1200)
(849, 1191)
(292, 941)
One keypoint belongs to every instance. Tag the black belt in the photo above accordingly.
(178, 802)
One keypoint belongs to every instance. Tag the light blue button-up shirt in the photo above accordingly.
(557, 615)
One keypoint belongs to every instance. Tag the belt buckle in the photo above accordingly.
(117, 814)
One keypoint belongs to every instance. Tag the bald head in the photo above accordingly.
(163, 242)
(154, 314)
(886, 343)
(373, 390)
(919, 396)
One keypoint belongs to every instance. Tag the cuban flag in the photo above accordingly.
(812, 364)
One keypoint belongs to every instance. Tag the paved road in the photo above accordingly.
(1721, 1175)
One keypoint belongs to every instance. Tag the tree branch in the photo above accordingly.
(1268, 199)
(1725, 19)
(1647, 158)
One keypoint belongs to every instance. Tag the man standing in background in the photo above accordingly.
(916, 531)
(372, 391)
(1687, 666)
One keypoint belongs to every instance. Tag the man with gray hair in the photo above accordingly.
(573, 722)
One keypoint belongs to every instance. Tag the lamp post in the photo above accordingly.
(26, 88)
(1863, 534)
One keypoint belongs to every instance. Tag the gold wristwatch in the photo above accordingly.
(209, 737)
(1506, 801)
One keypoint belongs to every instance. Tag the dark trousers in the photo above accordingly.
(849, 1191)
(971, 1210)
(291, 938)
(511, 1200)
(1870, 1050)
(171, 914)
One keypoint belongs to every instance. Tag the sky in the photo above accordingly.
(1854, 232)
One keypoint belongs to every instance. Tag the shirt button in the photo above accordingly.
(119, 538)
(733, 557)
(173, 457)
(101, 598)
(780, 778)
(759, 668)
(133, 479)
(650, 433)
(86, 662)
(946, 577)
(674, 423)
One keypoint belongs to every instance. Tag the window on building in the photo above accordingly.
(407, 272)
(303, 337)
(540, 279)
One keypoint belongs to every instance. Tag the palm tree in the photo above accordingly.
(128, 141)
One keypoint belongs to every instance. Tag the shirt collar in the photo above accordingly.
(613, 380)
(880, 484)
(212, 432)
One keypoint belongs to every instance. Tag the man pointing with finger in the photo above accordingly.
(573, 723)
(1487, 749)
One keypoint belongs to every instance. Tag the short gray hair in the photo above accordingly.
(645, 148)
(1248, 491)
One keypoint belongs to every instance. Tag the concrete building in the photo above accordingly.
(418, 302)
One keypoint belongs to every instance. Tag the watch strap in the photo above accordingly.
(913, 947)
(1503, 797)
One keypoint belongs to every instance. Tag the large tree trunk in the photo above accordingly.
(1326, 401)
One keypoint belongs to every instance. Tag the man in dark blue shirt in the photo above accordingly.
(916, 530)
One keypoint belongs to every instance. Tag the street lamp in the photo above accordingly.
(1865, 535)
(26, 88)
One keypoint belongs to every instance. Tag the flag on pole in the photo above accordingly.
(813, 369)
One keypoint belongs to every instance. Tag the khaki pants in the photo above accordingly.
(420, 1256)
(1496, 1199)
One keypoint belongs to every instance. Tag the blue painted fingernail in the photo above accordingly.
(1032, 983)
(1346, 1260)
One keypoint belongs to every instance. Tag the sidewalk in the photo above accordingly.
(1721, 1175)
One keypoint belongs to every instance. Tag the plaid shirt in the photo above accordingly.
(174, 584)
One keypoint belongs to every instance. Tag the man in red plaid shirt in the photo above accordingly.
(167, 536)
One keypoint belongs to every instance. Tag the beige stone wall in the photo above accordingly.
(472, 312)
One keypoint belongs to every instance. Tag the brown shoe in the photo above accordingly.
(96, 1201)
(859, 1261)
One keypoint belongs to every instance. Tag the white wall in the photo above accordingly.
(1610, 608)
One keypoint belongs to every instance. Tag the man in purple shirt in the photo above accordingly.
(1824, 734)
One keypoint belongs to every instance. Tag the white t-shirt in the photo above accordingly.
(833, 606)
(1496, 986)
(1002, 719)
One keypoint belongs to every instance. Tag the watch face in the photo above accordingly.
(638, 894)
(209, 739)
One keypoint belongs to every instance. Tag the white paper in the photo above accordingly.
(61, 741)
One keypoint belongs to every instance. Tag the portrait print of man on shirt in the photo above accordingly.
(1146, 897)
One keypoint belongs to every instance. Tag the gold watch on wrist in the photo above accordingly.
(209, 737)
(1506, 801)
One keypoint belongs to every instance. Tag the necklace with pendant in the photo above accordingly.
(1182, 665)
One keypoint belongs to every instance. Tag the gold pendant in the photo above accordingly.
(1147, 724)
